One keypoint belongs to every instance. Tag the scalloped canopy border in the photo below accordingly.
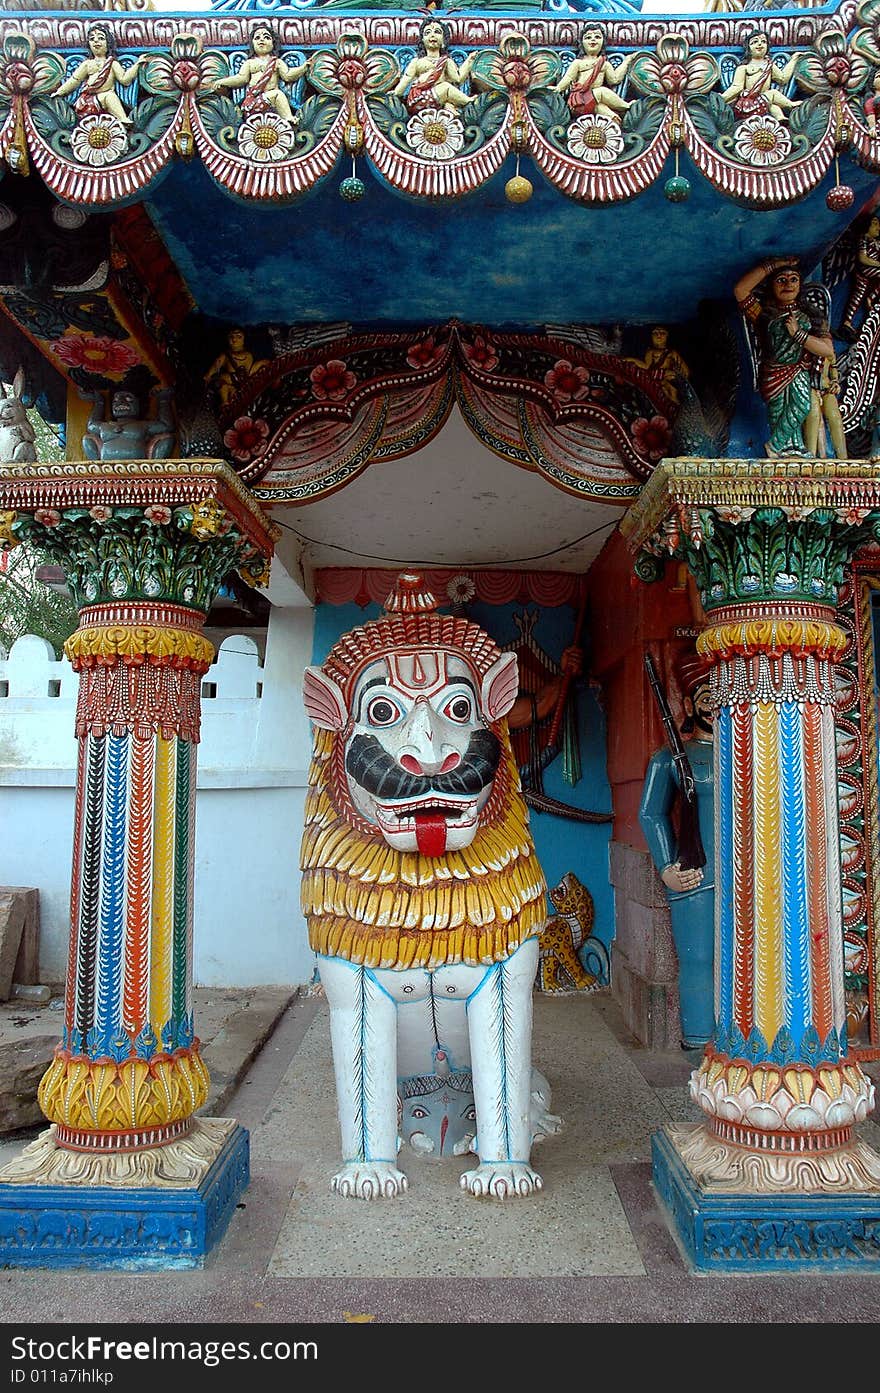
(308, 422)
(355, 61)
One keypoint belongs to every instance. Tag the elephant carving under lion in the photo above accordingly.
(421, 887)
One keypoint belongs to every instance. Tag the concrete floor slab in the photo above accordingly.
(575, 1226)
(251, 1277)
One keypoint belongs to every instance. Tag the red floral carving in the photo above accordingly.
(425, 354)
(18, 77)
(673, 77)
(246, 438)
(186, 75)
(332, 381)
(480, 354)
(651, 437)
(158, 514)
(516, 74)
(95, 354)
(566, 381)
(837, 70)
(49, 517)
(351, 73)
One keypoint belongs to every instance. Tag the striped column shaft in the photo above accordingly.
(777, 916)
(128, 1072)
(132, 923)
(778, 1074)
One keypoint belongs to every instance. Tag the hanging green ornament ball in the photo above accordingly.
(352, 189)
(518, 189)
(677, 189)
(840, 198)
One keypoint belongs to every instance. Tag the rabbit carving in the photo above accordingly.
(17, 438)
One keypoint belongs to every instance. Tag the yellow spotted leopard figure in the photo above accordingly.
(560, 970)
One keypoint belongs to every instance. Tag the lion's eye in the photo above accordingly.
(458, 708)
(382, 711)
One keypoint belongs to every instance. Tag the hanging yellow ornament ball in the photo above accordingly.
(518, 189)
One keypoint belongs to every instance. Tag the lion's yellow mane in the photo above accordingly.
(368, 903)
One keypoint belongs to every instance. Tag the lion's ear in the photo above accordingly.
(323, 700)
(500, 686)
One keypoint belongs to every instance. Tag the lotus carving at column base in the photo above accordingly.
(779, 1099)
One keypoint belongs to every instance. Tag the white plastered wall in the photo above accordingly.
(252, 768)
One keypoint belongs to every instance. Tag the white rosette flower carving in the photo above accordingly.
(762, 140)
(434, 134)
(265, 136)
(596, 139)
(98, 139)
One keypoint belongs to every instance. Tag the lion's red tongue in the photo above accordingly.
(431, 833)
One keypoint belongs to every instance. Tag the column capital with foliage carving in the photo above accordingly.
(756, 532)
(160, 532)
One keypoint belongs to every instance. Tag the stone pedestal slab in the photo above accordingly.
(162, 1208)
(728, 1229)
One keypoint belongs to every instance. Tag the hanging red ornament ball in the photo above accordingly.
(840, 198)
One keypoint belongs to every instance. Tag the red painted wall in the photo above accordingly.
(629, 617)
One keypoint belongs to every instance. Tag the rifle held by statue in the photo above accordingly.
(691, 854)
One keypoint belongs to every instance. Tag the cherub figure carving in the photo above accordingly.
(589, 80)
(754, 90)
(97, 76)
(261, 74)
(432, 78)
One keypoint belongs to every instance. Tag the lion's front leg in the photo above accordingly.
(500, 1031)
(363, 1031)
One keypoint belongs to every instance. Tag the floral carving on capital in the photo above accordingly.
(134, 553)
(743, 553)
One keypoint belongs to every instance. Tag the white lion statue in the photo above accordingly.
(421, 886)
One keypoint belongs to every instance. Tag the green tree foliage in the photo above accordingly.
(28, 605)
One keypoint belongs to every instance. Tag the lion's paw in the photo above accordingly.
(369, 1180)
(501, 1180)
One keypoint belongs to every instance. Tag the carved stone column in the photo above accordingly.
(775, 1177)
(145, 547)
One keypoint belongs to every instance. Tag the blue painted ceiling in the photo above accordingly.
(389, 260)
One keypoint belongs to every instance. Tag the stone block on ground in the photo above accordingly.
(14, 904)
(27, 964)
(22, 1064)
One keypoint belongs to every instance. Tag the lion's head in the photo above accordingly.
(416, 848)
(415, 698)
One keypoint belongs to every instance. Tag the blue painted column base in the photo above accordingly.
(130, 1229)
(721, 1231)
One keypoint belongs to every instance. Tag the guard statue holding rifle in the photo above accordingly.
(677, 818)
